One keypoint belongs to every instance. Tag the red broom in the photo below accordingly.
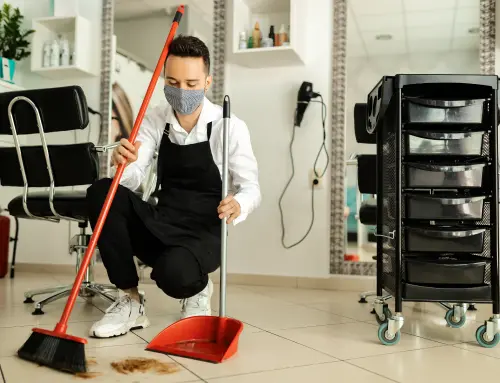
(56, 349)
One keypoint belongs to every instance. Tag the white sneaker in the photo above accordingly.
(198, 305)
(122, 316)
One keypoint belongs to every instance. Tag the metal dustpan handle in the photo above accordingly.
(225, 176)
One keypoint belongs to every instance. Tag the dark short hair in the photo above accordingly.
(190, 46)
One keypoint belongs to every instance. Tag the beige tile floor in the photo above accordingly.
(290, 336)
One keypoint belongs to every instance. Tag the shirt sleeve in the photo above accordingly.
(134, 174)
(243, 169)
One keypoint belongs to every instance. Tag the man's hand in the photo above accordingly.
(126, 153)
(229, 208)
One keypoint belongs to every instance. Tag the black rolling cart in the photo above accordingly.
(437, 197)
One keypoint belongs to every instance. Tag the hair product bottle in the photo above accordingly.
(272, 34)
(256, 34)
(282, 34)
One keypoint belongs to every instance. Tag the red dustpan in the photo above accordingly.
(208, 338)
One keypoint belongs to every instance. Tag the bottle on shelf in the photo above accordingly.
(243, 40)
(282, 35)
(46, 54)
(257, 35)
(54, 53)
(64, 51)
(73, 57)
(272, 34)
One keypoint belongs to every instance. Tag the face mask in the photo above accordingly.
(184, 101)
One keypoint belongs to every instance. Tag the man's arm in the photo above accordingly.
(134, 173)
(243, 169)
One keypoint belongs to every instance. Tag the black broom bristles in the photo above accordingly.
(52, 351)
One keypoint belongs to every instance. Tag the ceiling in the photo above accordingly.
(130, 9)
(416, 26)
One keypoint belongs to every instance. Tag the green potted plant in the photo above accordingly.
(14, 42)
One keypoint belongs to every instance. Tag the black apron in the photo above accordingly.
(189, 189)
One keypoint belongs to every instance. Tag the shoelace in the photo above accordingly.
(119, 304)
(184, 302)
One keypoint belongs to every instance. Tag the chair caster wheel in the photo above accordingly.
(362, 300)
(382, 336)
(29, 300)
(481, 338)
(452, 321)
(37, 312)
(472, 308)
(373, 311)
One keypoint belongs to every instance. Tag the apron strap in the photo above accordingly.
(209, 130)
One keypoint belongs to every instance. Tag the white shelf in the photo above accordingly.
(8, 87)
(245, 13)
(78, 31)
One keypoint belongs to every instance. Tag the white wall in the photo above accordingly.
(145, 37)
(43, 242)
(265, 99)
(363, 73)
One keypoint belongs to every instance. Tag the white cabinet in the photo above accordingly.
(290, 13)
(78, 31)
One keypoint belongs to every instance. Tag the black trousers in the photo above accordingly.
(175, 270)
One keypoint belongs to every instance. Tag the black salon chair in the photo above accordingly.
(45, 111)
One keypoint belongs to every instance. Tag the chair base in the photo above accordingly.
(88, 289)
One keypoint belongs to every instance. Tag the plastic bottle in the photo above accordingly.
(282, 34)
(64, 51)
(256, 34)
(272, 34)
(243, 40)
(46, 54)
(54, 53)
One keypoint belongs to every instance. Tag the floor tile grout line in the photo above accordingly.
(393, 353)
(372, 372)
(2, 374)
(175, 361)
(473, 351)
(275, 369)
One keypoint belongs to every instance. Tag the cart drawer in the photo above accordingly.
(432, 270)
(444, 240)
(444, 207)
(422, 110)
(424, 142)
(421, 175)
(476, 294)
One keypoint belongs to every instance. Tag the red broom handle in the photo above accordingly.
(62, 326)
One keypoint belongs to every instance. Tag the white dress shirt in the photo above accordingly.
(243, 169)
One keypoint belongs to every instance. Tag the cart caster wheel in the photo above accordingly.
(480, 337)
(382, 336)
(362, 300)
(37, 312)
(387, 315)
(452, 322)
(29, 300)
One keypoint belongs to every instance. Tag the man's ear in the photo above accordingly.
(208, 83)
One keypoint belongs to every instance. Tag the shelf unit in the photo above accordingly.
(78, 31)
(8, 87)
(245, 13)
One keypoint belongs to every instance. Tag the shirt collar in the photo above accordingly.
(209, 113)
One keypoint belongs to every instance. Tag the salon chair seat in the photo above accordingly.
(368, 212)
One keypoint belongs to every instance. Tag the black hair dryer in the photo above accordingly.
(303, 98)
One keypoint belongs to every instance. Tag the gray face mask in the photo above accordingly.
(184, 101)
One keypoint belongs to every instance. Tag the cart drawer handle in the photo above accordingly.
(442, 135)
(450, 234)
(446, 168)
(445, 103)
(450, 201)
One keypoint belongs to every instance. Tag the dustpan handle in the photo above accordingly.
(225, 175)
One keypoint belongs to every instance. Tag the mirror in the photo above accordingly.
(386, 38)
(140, 30)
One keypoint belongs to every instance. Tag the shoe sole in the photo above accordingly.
(141, 323)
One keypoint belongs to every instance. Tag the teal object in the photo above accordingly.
(383, 338)
(452, 322)
(481, 331)
(12, 70)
